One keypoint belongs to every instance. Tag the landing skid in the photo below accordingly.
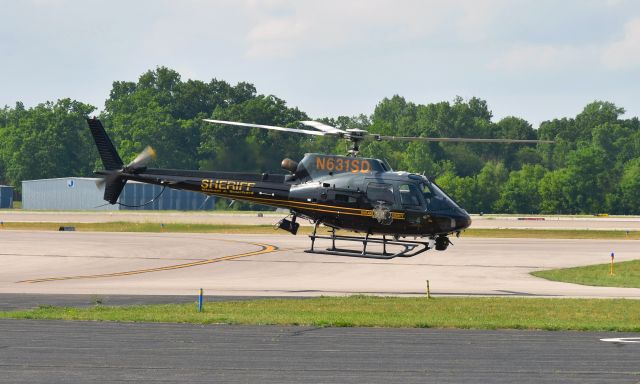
(410, 248)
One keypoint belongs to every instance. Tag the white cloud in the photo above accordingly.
(624, 53)
(285, 29)
(277, 37)
(542, 57)
(477, 17)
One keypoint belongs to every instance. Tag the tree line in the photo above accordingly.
(593, 166)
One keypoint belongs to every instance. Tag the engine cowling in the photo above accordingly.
(289, 165)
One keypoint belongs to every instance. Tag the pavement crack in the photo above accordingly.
(305, 331)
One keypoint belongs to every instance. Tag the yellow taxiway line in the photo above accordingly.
(265, 248)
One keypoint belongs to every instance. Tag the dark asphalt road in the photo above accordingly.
(81, 352)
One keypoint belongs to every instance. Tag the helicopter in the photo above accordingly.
(353, 193)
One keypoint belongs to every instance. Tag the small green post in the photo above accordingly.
(428, 290)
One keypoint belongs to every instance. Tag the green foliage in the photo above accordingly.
(163, 111)
(592, 167)
(477, 193)
(556, 192)
(520, 192)
(630, 187)
(462, 189)
(48, 140)
(229, 148)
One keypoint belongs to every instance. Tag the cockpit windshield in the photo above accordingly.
(435, 198)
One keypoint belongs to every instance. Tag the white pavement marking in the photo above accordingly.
(622, 340)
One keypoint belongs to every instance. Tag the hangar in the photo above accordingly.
(81, 193)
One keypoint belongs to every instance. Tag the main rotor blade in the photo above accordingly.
(324, 127)
(458, 139)
(271, 127)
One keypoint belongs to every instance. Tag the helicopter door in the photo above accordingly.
(411, 203)
(381, 198)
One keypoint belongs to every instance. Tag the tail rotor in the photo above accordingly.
(114, 175)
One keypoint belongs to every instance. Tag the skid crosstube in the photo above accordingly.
(408, 251)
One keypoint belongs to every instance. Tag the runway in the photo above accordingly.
(275, 265)
(81, 352)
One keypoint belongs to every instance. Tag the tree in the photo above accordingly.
(520, 193)
(489, 183)
(48, 140)
(245, 149)
(593, 115)
(582, 186)
(393, 117)
(461, 189)
(556, 193)
(513, 128)
(163, 111)
(630, 187)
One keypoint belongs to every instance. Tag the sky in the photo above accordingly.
(535, 59)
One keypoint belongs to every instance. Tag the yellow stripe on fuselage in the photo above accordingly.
(310, 206)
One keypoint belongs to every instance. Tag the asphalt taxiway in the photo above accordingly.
(81, 352)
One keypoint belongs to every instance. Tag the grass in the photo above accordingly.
(626, 275)
(552, 233)
(372, 311)
(121, 226)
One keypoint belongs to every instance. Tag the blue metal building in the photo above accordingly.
(81, 193)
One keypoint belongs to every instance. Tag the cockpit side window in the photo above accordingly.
(409, 195)
(426, 191)
(380, 192)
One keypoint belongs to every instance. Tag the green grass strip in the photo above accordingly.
(552, 233)
(371, 311)
(626, 275)
(121, 226)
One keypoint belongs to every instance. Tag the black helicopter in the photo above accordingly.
(342, 192)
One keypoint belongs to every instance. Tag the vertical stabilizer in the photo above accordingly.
(113, 181)
(110, 158)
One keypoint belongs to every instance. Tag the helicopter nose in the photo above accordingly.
(463, 221)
